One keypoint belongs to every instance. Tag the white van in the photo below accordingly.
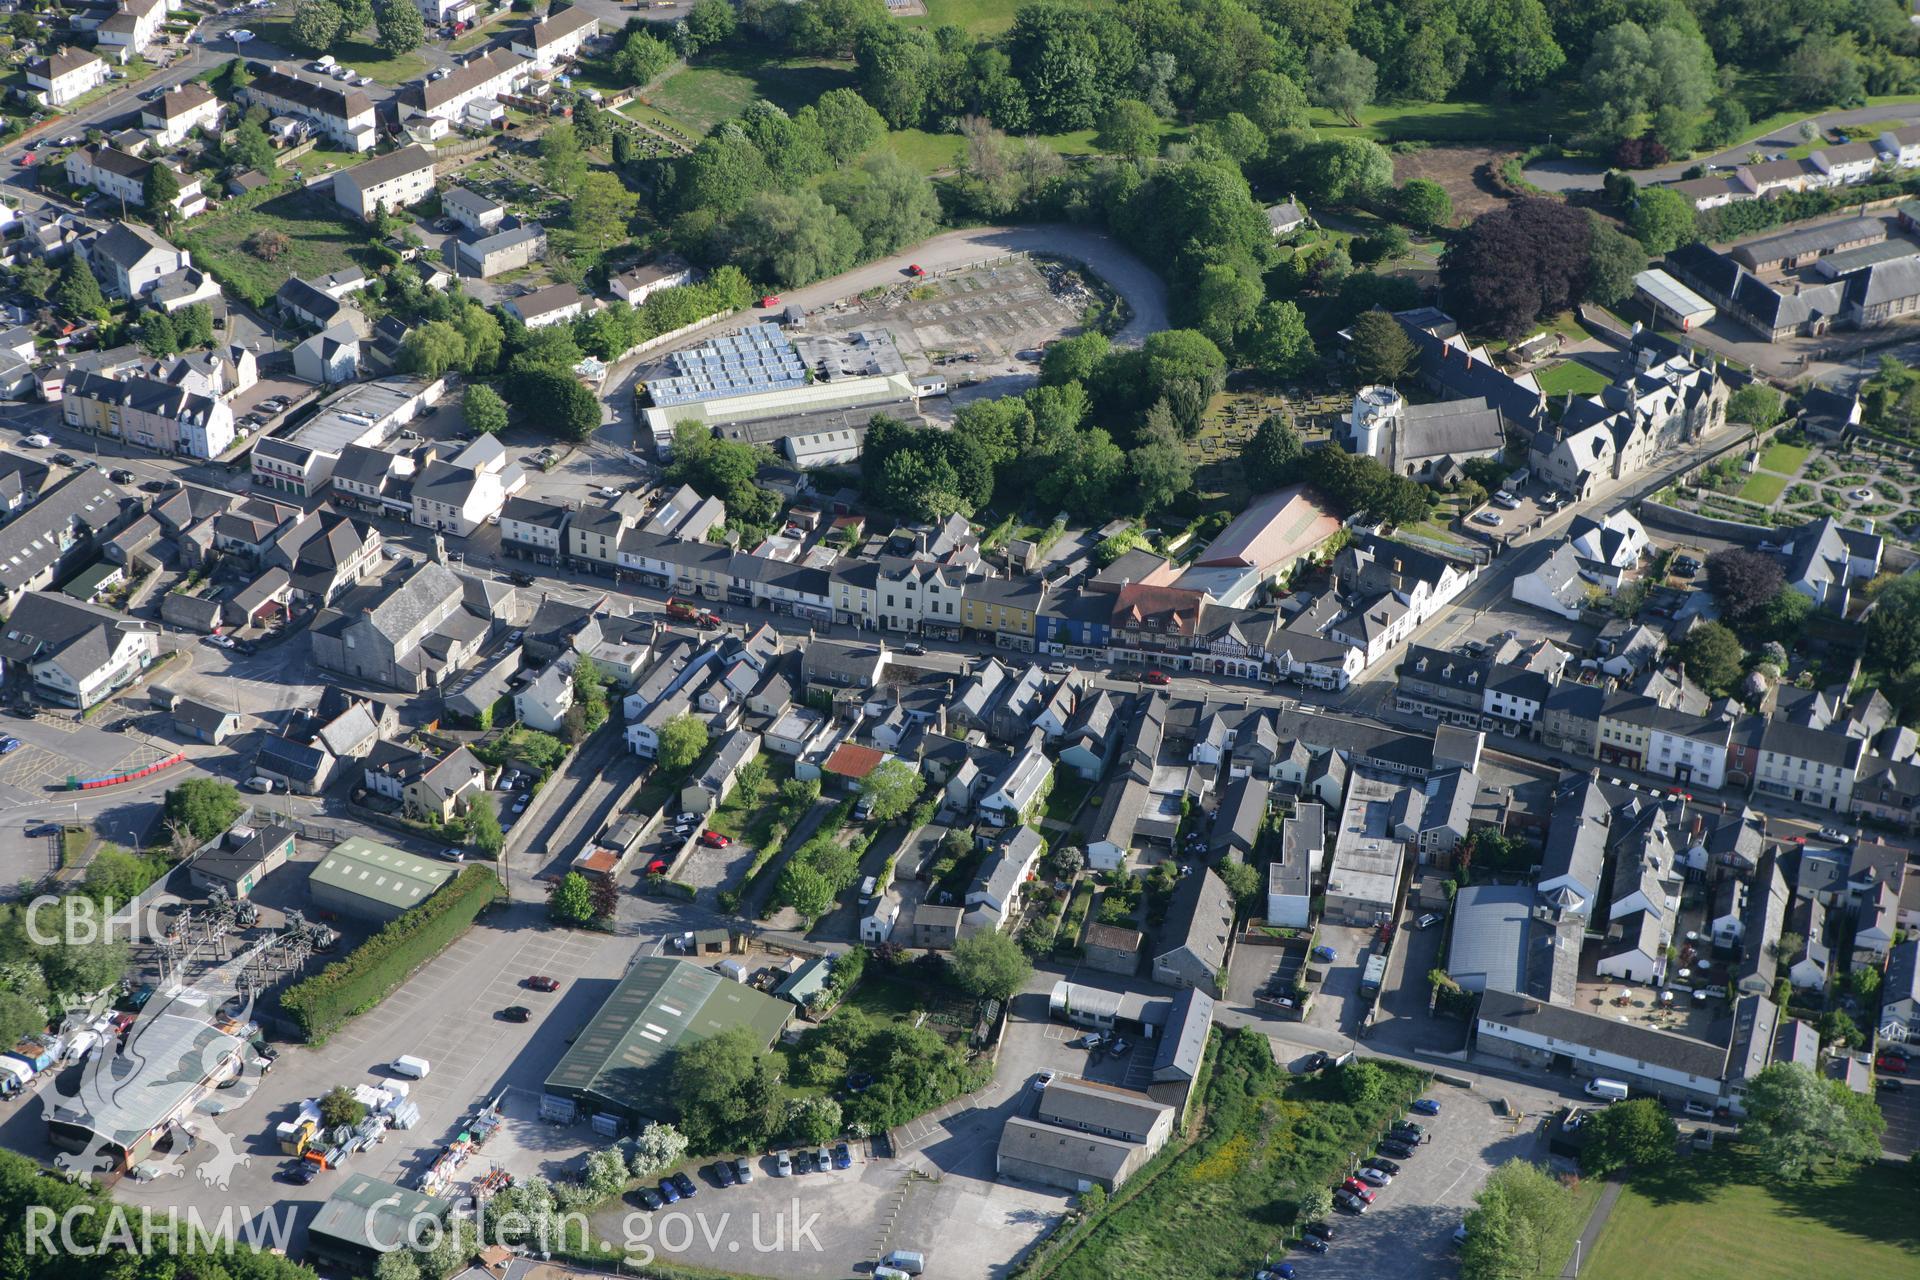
(906, 1260)
(37, 440)
(411, 1067)
(1611, 1090)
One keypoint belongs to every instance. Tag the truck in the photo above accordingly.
(687, 611)
(1374, 976)
(37, 1055)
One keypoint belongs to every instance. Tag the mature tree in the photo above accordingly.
(1636, 1132)
(1130, 128)
(1797, 1120)
(1743, 581)
(1161, 469)
(1613, 260)
(598, 214)
(1893, 627)
(555, 400)
(77, 294)
(1639, 81)
(339, 1107)
(76, 968)
(1277, 343)
(1662, 220)
(203, 807)
(159, 190)
(1712, 655)
(483, 827)
(728, 1092)
(399, 27)
(659, 1146)
(1314, 1204)
(563, 162)
(1074, 359)
(20, 1017)
(1273, 101)
(1826, 71)
(682, 740)
(1222, 301)
(1516, 42)
(889, 202)
(1270, 458)
(483, 409)
(317, 24)
(34, 278)
(990, 965)
(1516, 263)
(1836, 1028)
(1381, 350)
(1424, 204)
(848, 126)
(1520, 1219)
(1756, 404)
(1245, 884)
(432, 348)
(1344, 81)
(806, 890)
(891, 789)
(570, 900)
(709, 22)
(157, 335)
(641, 58)
(1344, 170)
(356, 16)
(791, 239)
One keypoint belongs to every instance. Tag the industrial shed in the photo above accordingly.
(1083, 1135)
(618, 1065)
(366, 1218)
(127, 1101)
(369, 881)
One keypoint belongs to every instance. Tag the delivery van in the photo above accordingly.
(906, 1260)
(1611, 1090)
(416, 1068)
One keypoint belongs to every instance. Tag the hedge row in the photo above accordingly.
(369, 974)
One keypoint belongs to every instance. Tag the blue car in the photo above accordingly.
(1323, 952)
(669, 1192)
(687, 1189)
(9, 745)
(842, 1158)
(1427, 1107)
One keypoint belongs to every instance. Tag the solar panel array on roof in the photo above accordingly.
(757, 358)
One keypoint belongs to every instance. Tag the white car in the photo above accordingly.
(37, 441)
(1374, 1176)
(1486, 518)
(1507, 500)
(240, 35)
(1042, 1080)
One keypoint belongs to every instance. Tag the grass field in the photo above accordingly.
(719, 88)
(977, 17)
(1728, 1225)
(317, 242)
(1570, 375)
(1518, 122)
(362, 55)
(1784, 459)
(1763, 488)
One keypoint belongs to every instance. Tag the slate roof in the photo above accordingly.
(1608, 1035)
(34, 539)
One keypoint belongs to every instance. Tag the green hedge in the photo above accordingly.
(355, 984)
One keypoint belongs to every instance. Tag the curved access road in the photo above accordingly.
(1581, 175)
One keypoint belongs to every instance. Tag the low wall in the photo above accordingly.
(1672, 518)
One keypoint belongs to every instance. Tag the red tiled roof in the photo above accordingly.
(851, 760)
(1174, 610)
(1273, 530)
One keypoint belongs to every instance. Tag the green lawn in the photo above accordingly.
(1784, 459)
(722, 84)
(1069, 789)
(1728, 1225)
(1570, 375)
(977, 17)
(1523, 122)
(362, 55)
(318, 241)
(1763, 488)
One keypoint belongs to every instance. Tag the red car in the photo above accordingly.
(915, 271)
(1156, 677)
(541, 983)
(1893, 1066)
(714, 840)
(771, 300)
(658, 867)
(1360, 1189)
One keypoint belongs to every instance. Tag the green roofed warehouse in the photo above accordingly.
(618, 1065)
(369, 881)
(366, 1218)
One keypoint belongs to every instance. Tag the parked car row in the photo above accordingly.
(1402, 1141)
